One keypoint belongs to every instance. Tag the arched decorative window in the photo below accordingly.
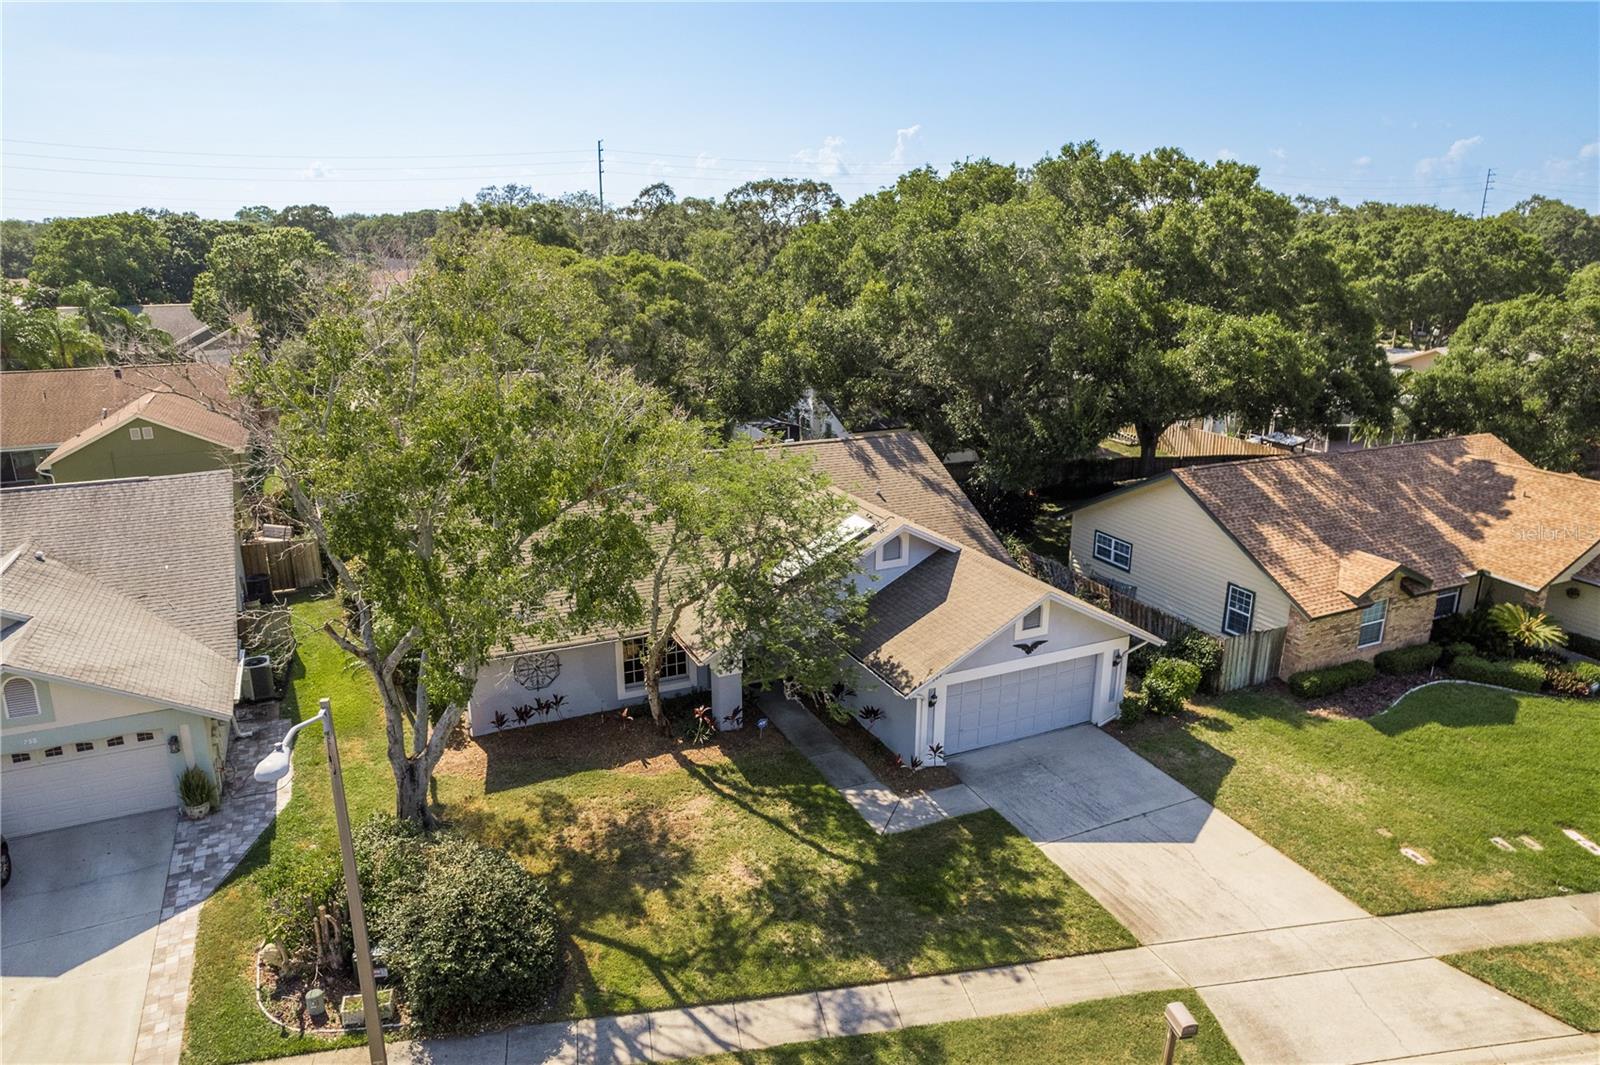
(21, 698)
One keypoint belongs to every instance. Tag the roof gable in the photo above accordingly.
(178, 413)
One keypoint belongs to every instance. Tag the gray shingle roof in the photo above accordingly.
(79, 630)
(166, 543)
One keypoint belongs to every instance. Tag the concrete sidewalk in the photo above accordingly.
(880, 806)
(1381, 997)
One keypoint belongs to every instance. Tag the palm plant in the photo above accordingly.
(1528, 630)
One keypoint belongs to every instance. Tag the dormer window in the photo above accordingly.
(1031, 623)
(892, 552)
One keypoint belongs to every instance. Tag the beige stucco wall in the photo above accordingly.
(1325, 641)
(1182, 561)
(1580, 614)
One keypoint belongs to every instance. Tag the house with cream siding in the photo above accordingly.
(1350, 553)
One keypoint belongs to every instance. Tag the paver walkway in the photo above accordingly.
(204, 853)
(884, 810)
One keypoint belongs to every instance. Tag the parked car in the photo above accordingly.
(5, 862)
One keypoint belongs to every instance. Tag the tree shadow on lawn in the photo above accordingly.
(1452, 706)
(762, 881)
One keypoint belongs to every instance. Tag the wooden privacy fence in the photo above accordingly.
(289, 564)
(1250, 659)
(1246, 660)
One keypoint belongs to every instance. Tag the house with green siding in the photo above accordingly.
(155, 435)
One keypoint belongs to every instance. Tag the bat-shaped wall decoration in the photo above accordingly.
(1029, 648)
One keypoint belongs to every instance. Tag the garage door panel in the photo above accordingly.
(1024, 702)
(43, 795)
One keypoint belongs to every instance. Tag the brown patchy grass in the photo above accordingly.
(1562, 978)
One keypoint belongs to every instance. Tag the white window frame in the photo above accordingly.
(1228, 611)
(904, 540)
(669, 681)
(146, 432)
(1022, 629)
(133, 432)
(1454, 595)
(33, 696)
(1111, 544)
(1382, 621)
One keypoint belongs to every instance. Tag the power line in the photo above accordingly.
(302, 155)
(295, 180)
(252, 166)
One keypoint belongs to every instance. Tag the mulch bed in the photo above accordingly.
(878, 758)
(283, 994)
(1361, 701)
(609, 740)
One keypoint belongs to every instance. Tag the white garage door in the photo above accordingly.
(110, 777)
(1010, 705)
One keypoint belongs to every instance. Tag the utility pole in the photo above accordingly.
(600, 169)
(1488, 183)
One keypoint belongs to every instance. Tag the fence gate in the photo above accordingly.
(1249, 659)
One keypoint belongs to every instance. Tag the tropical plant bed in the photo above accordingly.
(884, 763)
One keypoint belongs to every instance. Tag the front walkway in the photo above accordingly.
(205, 852)
(884, 810)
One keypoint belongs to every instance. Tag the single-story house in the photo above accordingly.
(960, 649)
(1350, 552)
(42, 410)
(119, 650)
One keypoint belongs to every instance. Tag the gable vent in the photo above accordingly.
(21, 699)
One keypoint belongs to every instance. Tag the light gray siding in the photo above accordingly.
(1065, 628)
(917, 549)
(898, 729)
(1183, 561)
(588, 679)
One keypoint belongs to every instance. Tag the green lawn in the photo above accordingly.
(1442, 772)
(736, 871)
(1561, 978)
(1128, 1030)
(681, 875)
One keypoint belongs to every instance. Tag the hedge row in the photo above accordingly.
(1311, 683)
(1404, 660)
(1502, 673)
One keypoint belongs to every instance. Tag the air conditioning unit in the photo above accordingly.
(258, 683)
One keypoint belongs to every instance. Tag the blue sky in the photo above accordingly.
(384, 107)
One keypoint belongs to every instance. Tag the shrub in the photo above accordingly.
(1501, 672)
(475, 941)
(1453, 651)
(294, 884)
(1312, 683)
(1584, 645)
(1006, 512)
(196, 788)
(1168, 684)
(1134, 707)
(1191, 645)
(1572, 678)
(1528, 630)
(1408, 659)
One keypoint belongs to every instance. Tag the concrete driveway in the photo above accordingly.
(1293, 970)
(76, 938)
(1163, 860)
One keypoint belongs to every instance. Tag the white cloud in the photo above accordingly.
(1363, 160)
(1450, 162)
(706, 161)
(1590, 150)
(1226, 153)
(902, 141)
(1280, 153)
(314, 171)
(826, 159)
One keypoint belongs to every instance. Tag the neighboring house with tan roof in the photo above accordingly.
(1353, 552)
(959, 649)
(119, 653)
(42, 410)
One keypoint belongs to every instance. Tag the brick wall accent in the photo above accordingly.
(1313, 643)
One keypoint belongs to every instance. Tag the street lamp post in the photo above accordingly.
(274, 767)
